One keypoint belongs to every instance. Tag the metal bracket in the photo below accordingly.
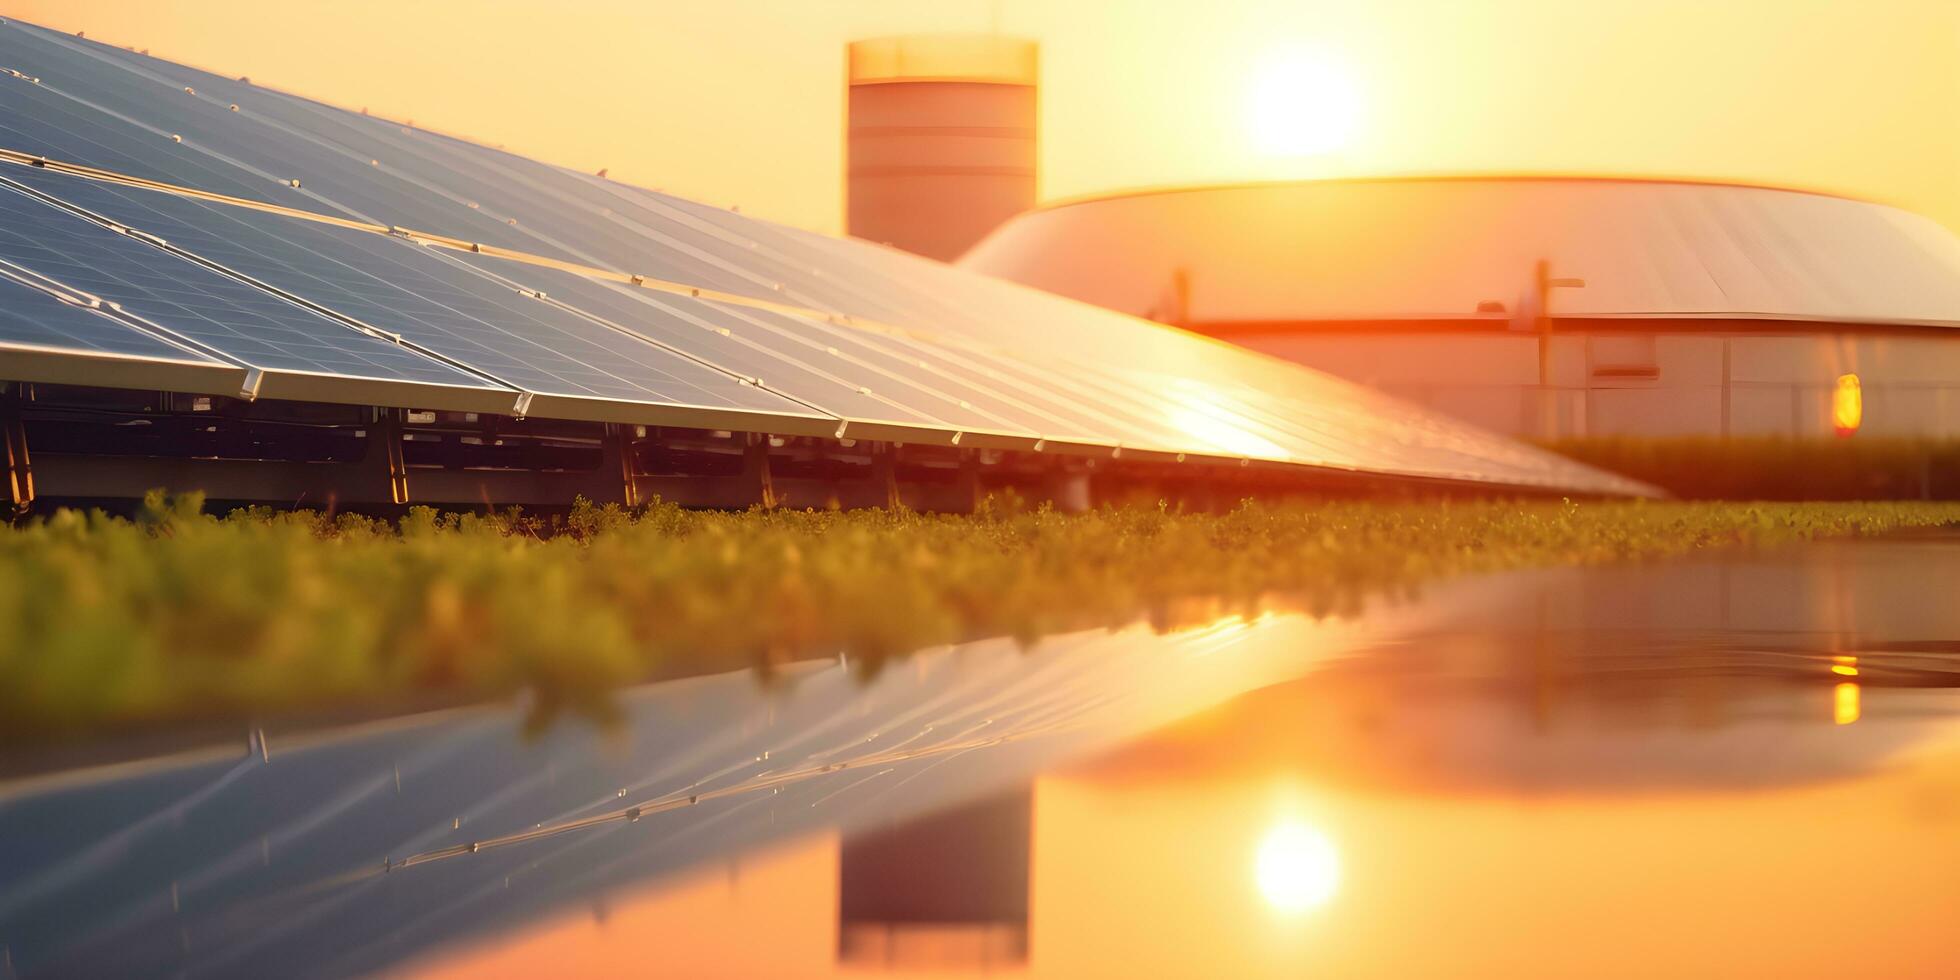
(387, 432)
(755, 470)
(884, 470)
(621, 437)
(20, 469)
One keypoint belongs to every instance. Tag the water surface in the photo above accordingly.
(1744, 764)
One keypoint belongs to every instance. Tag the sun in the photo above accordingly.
(1301, 102)
(1297, 868)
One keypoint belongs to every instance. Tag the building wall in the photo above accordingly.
(1651, 384)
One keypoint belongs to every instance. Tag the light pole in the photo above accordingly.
(1542, 285)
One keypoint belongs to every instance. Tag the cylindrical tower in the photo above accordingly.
(941, 143)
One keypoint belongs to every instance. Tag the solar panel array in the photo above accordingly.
(330, 256)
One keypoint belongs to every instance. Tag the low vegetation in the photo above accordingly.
(110, 624)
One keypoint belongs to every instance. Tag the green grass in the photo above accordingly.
(109, 624)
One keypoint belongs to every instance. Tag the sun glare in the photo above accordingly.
(1297, 868)
(1302, 102)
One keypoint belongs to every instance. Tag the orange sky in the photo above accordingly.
(740, 103)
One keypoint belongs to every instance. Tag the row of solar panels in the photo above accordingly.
(514, 287)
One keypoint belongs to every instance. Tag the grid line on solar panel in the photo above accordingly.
(159, 132)
(326, 173)
(912, 371)
(36, 119)
(751, 243)
(1082, 420)
(407, 154)
(873, 365)
(688, 327)
(1294, 423)
(605, 244)
(244, 323)
(359, 179)
(670, 257)
(414, 291)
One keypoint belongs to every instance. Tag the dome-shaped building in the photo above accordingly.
(1542, 306)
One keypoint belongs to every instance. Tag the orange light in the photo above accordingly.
(1846, 666)
(1847, 405)
(1297, 867)
(1845, 708)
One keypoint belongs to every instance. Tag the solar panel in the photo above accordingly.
(37, 120)
(831, 381)
(407, 289)
(831, 328)
(1053, 400)
(255, 161)
(1098, 345)
(779, 255)
(49, 335)
(38, 317)
(358, 166)
(393, 174)
(232, 319)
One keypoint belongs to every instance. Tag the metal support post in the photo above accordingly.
(755, 470)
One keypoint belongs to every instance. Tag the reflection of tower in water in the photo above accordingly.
(947, 890)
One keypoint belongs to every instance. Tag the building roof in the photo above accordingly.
(1436, 248)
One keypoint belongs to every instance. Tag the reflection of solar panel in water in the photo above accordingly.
(745, 325)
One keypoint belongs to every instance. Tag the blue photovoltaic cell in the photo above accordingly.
(36, 120)
(30, 317)
(332, 178)
(695, 327)
(825, 364)
(353, 165)
(396, 175)
(410, 290)
(238, 319)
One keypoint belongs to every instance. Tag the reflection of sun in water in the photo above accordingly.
(1302, 102)
(1297, 868)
